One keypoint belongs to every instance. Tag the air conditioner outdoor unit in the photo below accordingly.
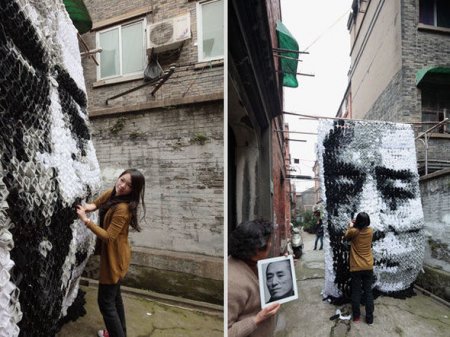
(168, 34)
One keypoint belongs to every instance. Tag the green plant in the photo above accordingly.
(309, 221)
(199, 138)
(136, 135)
(118, 126)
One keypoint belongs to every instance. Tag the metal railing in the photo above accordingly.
(425, 134)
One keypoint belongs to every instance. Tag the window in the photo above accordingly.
(210, 29)
(123, 50)
(436, 107)
(435, 13)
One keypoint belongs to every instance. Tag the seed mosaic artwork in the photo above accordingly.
(47, 165)
(371, 167)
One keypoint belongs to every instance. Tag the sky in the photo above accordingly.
(320, 28)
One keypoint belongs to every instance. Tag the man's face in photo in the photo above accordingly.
(279, 280)
(371, 167)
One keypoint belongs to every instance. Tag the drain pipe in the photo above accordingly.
(433, 296)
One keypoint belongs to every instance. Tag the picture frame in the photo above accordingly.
(277, 280)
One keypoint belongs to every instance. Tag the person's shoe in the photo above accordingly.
(103, 333)
(315, 249)
(356, 319)
(369, 321)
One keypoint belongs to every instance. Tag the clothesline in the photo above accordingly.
(314, 117)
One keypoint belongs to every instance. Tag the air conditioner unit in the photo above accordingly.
(168, 34)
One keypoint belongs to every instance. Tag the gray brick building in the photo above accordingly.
(400, 72)
(169, 125)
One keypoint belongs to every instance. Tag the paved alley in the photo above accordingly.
(151, 317)
(310, 316)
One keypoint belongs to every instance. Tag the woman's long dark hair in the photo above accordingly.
(136, 195)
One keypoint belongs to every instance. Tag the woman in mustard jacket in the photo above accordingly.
(361, 264)
(118, 211)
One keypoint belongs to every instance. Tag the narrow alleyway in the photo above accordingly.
(310, 316)
(151, 317)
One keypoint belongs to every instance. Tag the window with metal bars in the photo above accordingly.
(436, 107)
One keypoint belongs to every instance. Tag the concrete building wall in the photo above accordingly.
(317, 188)
(375, 53)
(183, 168)
(435, 191)
(306, 200)
(309, 199)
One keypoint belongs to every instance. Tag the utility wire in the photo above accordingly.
(326, 30)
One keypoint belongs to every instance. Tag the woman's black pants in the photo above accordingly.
(111, 306)
(362, 278)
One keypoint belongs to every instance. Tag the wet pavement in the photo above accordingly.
(419, 315)
(150, 314)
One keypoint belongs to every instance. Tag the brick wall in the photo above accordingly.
(190, 79)
(280, 197)
(176, 139)
(388, 106)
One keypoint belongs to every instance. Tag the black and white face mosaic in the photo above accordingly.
(47, 165)
(371, 167)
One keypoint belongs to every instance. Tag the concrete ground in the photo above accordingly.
(149, 314)
(310, 316)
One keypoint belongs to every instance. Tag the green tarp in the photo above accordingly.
(79, 15)
(427, 72)
(288, 66)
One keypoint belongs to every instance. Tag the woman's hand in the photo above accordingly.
(267, 312)
(81, 212)
(89, 207)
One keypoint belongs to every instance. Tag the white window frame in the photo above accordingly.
(200, 32)
(144, 48)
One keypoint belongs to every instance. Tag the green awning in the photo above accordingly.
(427, 74)
(79, 15)
(288, 65)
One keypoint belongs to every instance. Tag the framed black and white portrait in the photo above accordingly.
(277, 281)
